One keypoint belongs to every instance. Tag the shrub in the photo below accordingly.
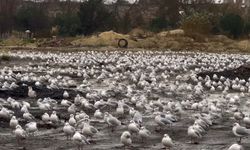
(32, 18)
(247, 27)
(158, 24)
(232, 24)
(68, 24)
(94, 17)
(197, 23)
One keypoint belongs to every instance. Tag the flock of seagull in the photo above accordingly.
(135, 94)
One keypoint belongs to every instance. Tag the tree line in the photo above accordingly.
(86, 17)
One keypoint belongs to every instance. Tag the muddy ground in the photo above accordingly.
(219, 137)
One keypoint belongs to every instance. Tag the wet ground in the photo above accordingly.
(219, 137)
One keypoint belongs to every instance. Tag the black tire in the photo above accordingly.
(123, 43)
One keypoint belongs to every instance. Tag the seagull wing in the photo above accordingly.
(93, 130)
(242, 131)
(84, 139)
(166, 121)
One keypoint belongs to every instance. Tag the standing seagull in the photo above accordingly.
(133, 127)
(144, 133)
(68, 130)
(240, 131)
(236, 147)
(162, 120)
(111, 121)
(194, 134)
(167, 141)
(31, 128)
(31, 92)
(126, 139)
(88, 130)
(20, 133)
(80, 140)
(13, 122)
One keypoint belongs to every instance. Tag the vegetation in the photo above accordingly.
(32, 18)
(92, 16)
(95, 17)
(69, 24)
(197, 23)
(158, 24)
(232, 24)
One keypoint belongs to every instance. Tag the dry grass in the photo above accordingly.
(138, 38)
(244, 45)
(13, 41)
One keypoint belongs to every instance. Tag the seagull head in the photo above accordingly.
(236, 124)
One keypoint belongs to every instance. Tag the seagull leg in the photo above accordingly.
(191, 140)
(18, 141)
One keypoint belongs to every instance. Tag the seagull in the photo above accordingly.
(144, 133)
(13, 122)
(80, 140)
(162, 120)
(65, 94)
(238, 116)
(43, 105)
(246, 120)
(194, 134)
(31, 128)
(54, 118)
(133, 127)
(20, 133)
(236, 147)
(31, 92)
(99, 104)
(24, 109)
(68, 130)
(167, 141)
(72, 120)
(88, 130)
(111, 120)
(66, 103)
(72, 109)
(5, 113)
(46, 118)
(98, 114)
(137, 118)
(131, 112)
(126, 139)
(120, 111)
(28, 116)
(240, 131)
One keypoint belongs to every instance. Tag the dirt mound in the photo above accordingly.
(242, 72)
(109, 38)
